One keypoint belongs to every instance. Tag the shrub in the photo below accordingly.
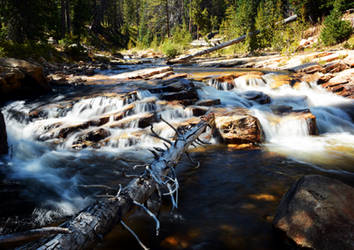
(170, 49)
(335, 30)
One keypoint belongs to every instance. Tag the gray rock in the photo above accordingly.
(318, 213)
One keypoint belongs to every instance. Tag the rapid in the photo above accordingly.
(71, 138)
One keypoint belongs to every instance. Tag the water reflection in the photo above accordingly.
(226, 204)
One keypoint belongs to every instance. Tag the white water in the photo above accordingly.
(290, 137)
(38, 155)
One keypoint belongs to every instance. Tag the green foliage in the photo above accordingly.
(179, 41)
(335, 30)
(350, 43)
(28, 50)
(116, 24)
(170, 49)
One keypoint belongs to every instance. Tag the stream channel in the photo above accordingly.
(227, 203)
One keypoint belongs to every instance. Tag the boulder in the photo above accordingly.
(21, 79)
(238, 127)
(317, 213)
(3, 136)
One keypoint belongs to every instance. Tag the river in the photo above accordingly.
(227, 203)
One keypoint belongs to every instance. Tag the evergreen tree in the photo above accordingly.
(335, 29)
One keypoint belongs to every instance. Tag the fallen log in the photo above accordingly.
(224, 45)
(31, 234)
(90, 225)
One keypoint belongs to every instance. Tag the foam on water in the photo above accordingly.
(37, 154)
(290, 137)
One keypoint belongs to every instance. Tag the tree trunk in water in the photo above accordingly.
(224, 45)
(98, 219)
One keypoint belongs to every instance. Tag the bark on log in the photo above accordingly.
(98, 219)
(223, 45)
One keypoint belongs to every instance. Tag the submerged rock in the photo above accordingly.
(238, 127)
(317, 213)
(257, 96)
(3, 136)
(21, 79)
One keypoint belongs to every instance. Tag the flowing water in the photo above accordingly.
(227, 203)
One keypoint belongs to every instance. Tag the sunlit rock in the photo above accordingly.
(334, 67)
(238, 127)
(279, 80)
(3, 136)
(21, 79)
(342, 83)
(317, 213)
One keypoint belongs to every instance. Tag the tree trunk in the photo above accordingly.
(190, 16)
(67, 12)
(98, 219)
(224, 45)
(167, 18)
(63, 21)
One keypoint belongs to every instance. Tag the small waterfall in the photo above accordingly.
(246, 82)
(276, 127)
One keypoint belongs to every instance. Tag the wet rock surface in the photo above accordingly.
(238, 127)
(21, 79)
(257, 96)
(317, 213)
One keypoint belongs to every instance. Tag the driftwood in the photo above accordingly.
(224, 45)
(32, 234)
(90, 225)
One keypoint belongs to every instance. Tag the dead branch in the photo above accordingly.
(90, 225)
(224, 45)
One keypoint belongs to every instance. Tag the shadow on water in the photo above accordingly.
(225, 204)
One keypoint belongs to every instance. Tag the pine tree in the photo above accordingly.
(335, 29)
